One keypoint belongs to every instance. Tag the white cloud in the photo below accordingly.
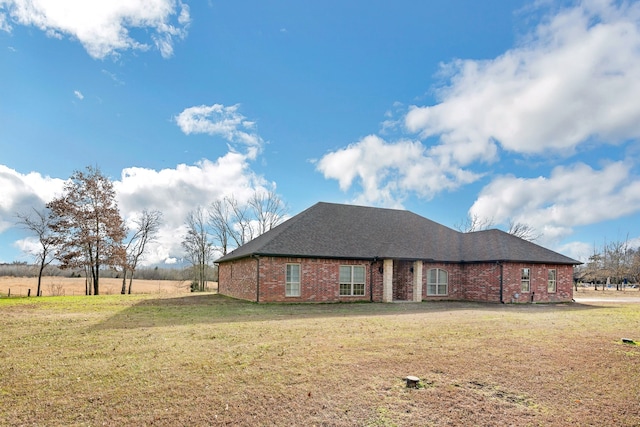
(577, 250)
(4, 24)
(113, 77)
(174, 192)
(78, 94)
(20, 193)
(572, 81)
(388, 171)
(571, 196)
(102, 26)
(218, 120)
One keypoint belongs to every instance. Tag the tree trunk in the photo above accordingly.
(95, 271)
(130, 282)
(124, 281)
(40, 277)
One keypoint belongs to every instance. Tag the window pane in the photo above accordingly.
(293, 273)
(358, 274)
(443, 277)
(293, 289)
(524, 279)
(292, 282)
(551, 287)
(431, 289)
(345, 289)
(433, 275)
(358, 289)
(345, 274)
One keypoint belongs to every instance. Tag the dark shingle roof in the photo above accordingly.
(328, 230)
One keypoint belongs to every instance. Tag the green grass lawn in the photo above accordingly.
(210, 360)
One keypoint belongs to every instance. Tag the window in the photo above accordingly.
(351, 280)
(551, 282)
(525, 279)
(437, 282)
(292, 286)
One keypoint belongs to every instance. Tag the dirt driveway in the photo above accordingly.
(589, 295)
(604, 298)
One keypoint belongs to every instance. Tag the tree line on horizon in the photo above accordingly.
(615, 263)
(83, 230)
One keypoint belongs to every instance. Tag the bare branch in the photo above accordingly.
(523, 231)
(38, 222)
(268, 210)
(474, 223)
(147, 226)
(197, 245)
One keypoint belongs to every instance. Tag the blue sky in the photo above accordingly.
(512, 111)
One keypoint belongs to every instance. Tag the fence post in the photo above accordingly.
(29, 292)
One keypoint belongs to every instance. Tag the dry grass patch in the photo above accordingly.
(210, 360)
(71, 286)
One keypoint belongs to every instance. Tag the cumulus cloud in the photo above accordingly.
(172, 191)
(573, 80)
(21, 193)
(569, 85)
(223, 121)
(387, 171)
(569, 197)
(78, 94)
(175, 192)
(102, 26)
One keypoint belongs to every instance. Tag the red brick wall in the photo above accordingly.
(402, 280)
(539, 280)
(238, 278)
(455, 281)
(481, 282)
(320, 281)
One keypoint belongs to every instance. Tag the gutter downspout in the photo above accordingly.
(501, 282)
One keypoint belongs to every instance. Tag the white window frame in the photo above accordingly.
(552, 283)
(292, 288)
(525, 281)
(439, 284)
(352, 283)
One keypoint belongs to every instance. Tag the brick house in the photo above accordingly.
(333, 252)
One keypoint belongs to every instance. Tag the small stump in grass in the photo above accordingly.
(412, 382)
(628, 341)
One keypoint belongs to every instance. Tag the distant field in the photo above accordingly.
(59, 286)
(204, 359)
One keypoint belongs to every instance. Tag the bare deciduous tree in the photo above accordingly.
(268, 210)
(219, 221)
(477, 223)
(233, 223)
(197, 245)
(523, 231)
(474, 223)
(240, 228)
(38, 222)
(615, 262)
(87, 225)
(146, 229)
